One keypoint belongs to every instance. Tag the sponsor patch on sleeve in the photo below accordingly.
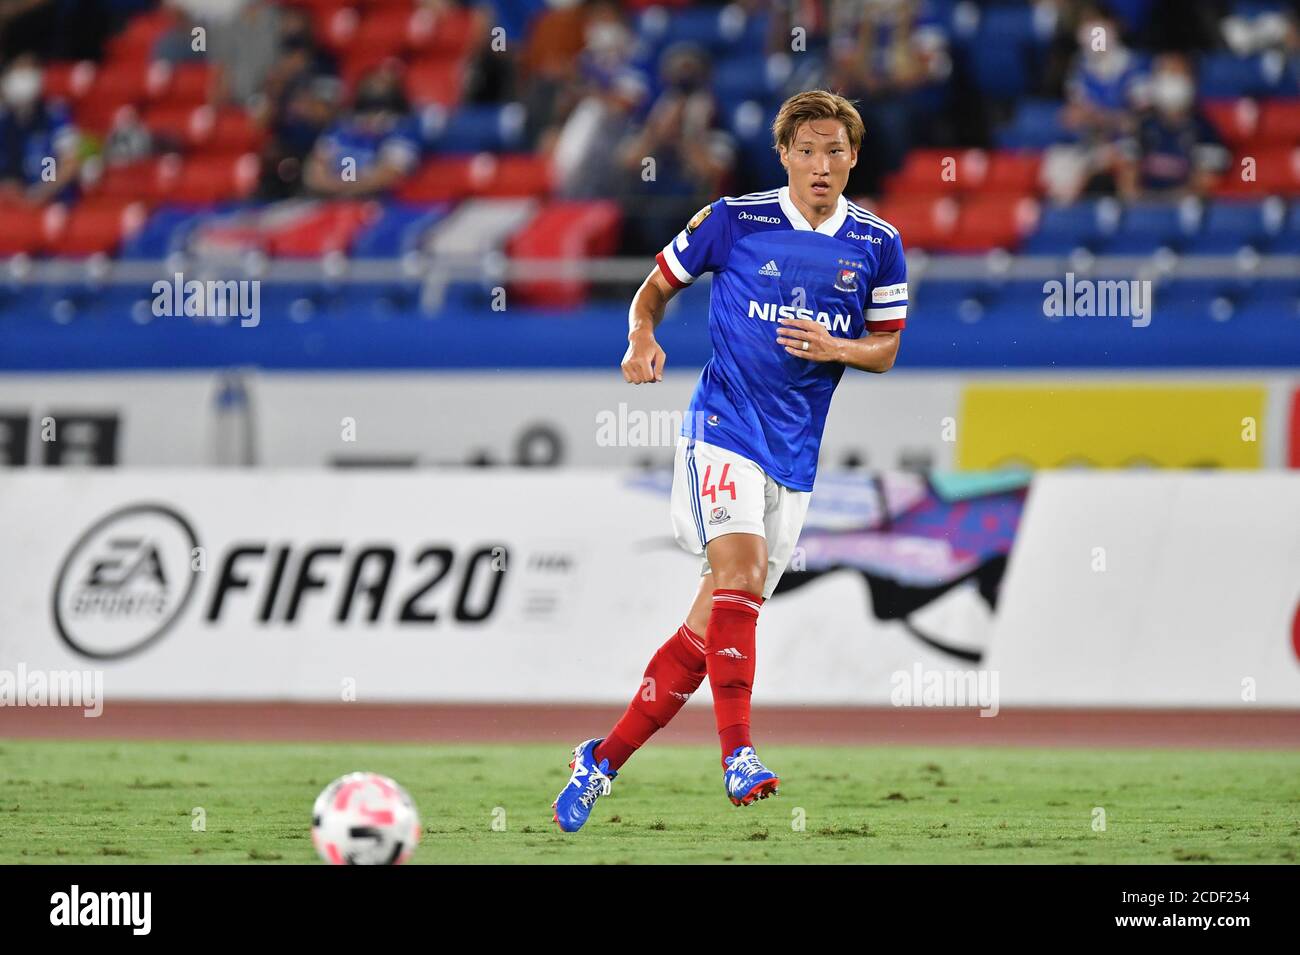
(697, 220)
(889, 293)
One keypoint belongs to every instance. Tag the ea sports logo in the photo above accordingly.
(125, 581)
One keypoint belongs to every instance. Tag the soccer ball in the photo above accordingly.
(364, 819)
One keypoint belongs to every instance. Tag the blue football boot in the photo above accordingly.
(747, 780)
(587, 784)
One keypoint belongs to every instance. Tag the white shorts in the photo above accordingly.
(718, 492)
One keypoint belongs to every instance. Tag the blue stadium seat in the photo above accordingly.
(1062, 229)
(475, 129)
(1229, 226)
(399, 229)
(1146, 226)
(1036, 125)
(1223, 75)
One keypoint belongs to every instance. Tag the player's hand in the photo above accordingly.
(804, 338)
(644, 361)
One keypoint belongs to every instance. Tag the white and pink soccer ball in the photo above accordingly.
(365, 819)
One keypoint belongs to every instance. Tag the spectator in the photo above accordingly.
(549, 63)
(1102, 93)
(39, 146)
(1175, 150)
(374, 148)
(302, 95)
(610, 93)
(691, 158)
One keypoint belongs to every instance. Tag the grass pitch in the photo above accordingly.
(135, 802)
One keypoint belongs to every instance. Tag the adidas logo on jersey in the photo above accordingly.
(770, 269)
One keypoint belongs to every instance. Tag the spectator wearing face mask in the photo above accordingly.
(1175, 150)
(372, 150)
(39, 146)
(1102, 102)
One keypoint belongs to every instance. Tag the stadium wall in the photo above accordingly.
(554, 586)
(910, 420)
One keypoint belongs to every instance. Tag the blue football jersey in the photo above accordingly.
(848, 274)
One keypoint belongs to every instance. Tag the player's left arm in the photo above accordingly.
(874, 351)
(885, 315)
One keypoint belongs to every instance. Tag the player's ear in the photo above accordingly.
(784, 153)
(853, 158)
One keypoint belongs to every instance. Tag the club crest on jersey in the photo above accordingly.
(847, 280)
(719, 515)
(697, 220)
(712, 419)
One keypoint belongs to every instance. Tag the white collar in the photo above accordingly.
(829, 227)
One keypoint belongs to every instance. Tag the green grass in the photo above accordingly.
(126, 802)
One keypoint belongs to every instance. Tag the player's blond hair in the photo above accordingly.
(811, 106)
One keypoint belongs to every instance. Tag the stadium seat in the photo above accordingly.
(332, 228)
(445, 178)
(399, 229)
(98, 225)
(204, 179)
(1079, 225)
(564, 231)
(1224, 74)
(1231, 225)
(1235, 120)
(67, 80)
(28, 229)
(185, 84)
(478, 227)
(1150, 225)
(1276, 173)
(434, 80)
(1279, 123)
(924, 222)
(992, 222)
(1036, 125)
(475, 129)
(136, 42)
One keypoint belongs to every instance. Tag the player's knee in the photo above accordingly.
(742, 576)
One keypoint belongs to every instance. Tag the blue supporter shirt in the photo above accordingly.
(848, 274)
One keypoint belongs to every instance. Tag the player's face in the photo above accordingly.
(818, 161)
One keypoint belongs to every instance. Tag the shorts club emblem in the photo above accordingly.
(712, 419)
(719, 515)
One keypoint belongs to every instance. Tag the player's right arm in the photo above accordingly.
(700, 247)
(644, 360)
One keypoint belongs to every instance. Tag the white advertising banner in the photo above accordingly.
(1159, 589)
(507, 585)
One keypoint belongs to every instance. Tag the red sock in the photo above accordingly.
(675, 672)
(729, 646)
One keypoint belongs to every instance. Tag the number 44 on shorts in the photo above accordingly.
(711, 490)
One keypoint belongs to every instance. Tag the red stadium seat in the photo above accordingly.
(28, 229)
(564, 231)
(924, 173)
(435, 80)
(924, 221)
(332, 229)
(444, 178)
(1279, 123)
(517, 176)
(98, 225)
(451, 31)
(68, 80)
(1235, 120)
(384, 31)
(185, 84)
(233, 132)
(137, 40)
(1276, 173)
(148, 180)
(204, 180)
(988, 222)
(1012, 172)
(175, 125)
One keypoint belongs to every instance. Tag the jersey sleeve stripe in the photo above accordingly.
(672, 269)
(895, 325)
(888, 313)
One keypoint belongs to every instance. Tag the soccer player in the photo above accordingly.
(805, 284)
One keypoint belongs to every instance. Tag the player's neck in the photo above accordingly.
(815, 215)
